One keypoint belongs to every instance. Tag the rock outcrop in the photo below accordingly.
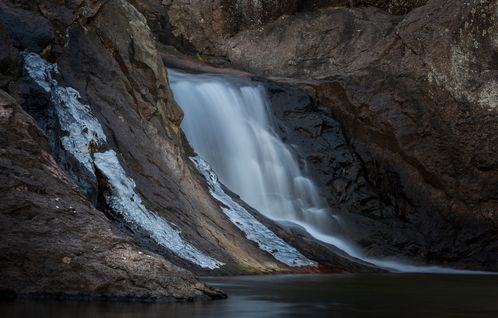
(54, 243)
(416, 98)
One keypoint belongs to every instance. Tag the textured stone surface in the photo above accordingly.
(55, 244)
(207, 24)
(28, 30)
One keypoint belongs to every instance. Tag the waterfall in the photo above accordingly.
(228, 123)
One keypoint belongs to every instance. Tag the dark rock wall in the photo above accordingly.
(416, 98)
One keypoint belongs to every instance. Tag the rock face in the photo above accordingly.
(109, 132)
(54, 243)
(29, 30)
(131, 99)
(207, 24)
(416, 98)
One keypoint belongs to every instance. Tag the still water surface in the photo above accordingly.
(344, 295)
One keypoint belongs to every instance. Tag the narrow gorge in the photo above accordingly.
(148, 146)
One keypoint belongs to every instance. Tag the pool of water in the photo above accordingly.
(341, 295)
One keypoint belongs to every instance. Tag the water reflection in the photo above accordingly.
(352, 295)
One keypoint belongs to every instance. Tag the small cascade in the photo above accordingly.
(229, 124)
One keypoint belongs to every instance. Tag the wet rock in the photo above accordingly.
(27, 30)
(54, 243)
(9, 60)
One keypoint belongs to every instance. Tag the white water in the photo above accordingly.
(227, 122)
(124, 199)
(247, 223)
(81, 131)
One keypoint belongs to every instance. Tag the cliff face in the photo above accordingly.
(416, 98)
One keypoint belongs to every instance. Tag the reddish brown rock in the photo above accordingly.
(53, 243)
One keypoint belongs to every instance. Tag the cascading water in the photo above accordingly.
(227, 122)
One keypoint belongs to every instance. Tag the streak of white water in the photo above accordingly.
(228, 123)
(252, 228)
(124, 199)
(81, 131)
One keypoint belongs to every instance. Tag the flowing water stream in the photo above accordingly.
(229, 124)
